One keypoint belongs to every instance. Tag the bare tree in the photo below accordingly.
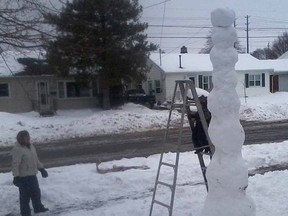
(209, 45)
(22, 24)
(280, 45)
(265, 53)
(278, 48)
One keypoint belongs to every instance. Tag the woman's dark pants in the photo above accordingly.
(29, 189)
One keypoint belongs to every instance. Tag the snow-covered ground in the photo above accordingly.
(129, 118)
(80, 190)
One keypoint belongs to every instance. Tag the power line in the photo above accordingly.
(206, 37)
(210, 27)
(179, 26)
(153, 5)
(163, 20)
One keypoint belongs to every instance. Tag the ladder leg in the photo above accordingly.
(155, 186)
(184, 86)
(203, 168)
(172, 103)
(184, 97)
(174, 184)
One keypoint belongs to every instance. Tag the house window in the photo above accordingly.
(4, 90)
(255, 80)
(157, 86)
(61, 90)
(95, 88)
(192, 79)
(150, 87)
(71, 89)
(205, 82)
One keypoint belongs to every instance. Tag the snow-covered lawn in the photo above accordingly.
(80, 190)
(129, 118)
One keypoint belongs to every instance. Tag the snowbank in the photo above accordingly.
(270, 107)
(80, 190)
(128, 118)
(81, 123)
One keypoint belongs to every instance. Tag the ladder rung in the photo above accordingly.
(162, 204)
(206, 153)
(165, 184)
(167, 164)
(181, 105)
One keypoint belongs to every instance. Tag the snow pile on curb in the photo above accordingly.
(128, 118)
(269, 107)
(82, 123)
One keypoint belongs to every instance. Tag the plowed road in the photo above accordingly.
(111, 147)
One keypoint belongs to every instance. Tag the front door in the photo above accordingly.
(274, 83)
(43, 96)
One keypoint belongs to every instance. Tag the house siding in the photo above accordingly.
(170, 86)
(77, 103)
(252, 91)
(23, 96)
(170, 77)
(283, 82)
(155, 74)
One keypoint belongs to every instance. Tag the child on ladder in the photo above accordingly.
(199, 137)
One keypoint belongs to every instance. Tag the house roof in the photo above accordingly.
(9, 65)
(284, 55)
(201, 63)
(279, 65)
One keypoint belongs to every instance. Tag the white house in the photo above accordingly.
(280, 77)
(253, 74)
(41, 92)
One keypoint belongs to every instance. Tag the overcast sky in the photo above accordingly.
(186, 22)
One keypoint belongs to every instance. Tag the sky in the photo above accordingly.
(187, 22)
(190, 19)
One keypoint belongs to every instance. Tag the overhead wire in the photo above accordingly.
(156, 4)
(163, 20)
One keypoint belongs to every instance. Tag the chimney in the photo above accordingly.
(183, 50)
(180, 61)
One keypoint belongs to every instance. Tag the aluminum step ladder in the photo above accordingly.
(184, 86)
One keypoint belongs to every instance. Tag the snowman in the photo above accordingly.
(227, 173)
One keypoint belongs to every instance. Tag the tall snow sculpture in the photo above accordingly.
(227, 173)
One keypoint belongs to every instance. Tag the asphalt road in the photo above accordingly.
(112, 147)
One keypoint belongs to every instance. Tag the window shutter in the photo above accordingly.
(200, 81)
(247, 80)
(263, 79)
(210, 83)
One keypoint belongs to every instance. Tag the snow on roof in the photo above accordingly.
(279, 65)
(284, 55)
(170, 63)
(8, 61)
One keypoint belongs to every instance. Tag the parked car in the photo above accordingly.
(139, 96)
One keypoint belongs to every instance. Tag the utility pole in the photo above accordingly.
(247, 32)
(235, 27)
(160, 56)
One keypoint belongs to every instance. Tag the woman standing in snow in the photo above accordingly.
(25, 165)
